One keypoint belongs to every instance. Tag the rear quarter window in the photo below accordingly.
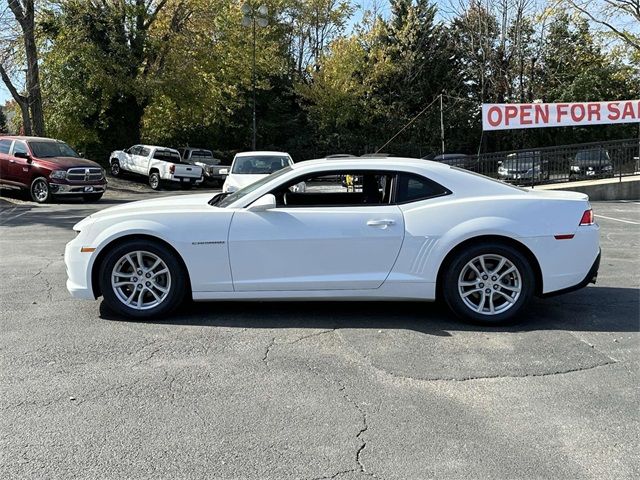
(411, 188)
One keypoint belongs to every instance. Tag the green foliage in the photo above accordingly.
(4, 128)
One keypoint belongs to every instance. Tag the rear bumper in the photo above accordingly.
(591, 277)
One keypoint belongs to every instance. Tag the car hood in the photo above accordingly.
(67, 162)
(171, 204)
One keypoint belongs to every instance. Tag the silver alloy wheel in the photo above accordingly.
(115, 168)
(141, 280)
(154, 181)
(490, 284)
(40, 190)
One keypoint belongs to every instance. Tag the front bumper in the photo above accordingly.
(68, 189)
(78, 264)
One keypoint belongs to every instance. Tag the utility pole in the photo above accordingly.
(250, 17)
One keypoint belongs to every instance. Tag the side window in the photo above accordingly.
(5, 146)
(135, 150)
(144, 152)
(411, 188)
(19, 147)
(339, 188)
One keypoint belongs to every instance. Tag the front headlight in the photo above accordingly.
(502, 170)
(575, 168)
(59, 174)
(607, 168)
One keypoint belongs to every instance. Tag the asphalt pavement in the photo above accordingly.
(303, 390)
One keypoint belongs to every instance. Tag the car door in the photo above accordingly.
(5, 148)
(130, 158)
(331, 247)
(19, 168)
(142, 160)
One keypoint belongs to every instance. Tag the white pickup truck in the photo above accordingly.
(160, 164)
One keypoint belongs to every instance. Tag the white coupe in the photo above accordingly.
(405, 229)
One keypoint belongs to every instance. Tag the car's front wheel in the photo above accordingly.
(40, 191)
(142, 279)
(488, 284)
(115, 168)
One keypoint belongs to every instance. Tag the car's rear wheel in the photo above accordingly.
(115, 168)
(142, 279)
(489, 284)
(154, 180)
(40, 191)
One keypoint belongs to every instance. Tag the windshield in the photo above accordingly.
(513, 163)
(592, 157)
(259, 164)
(225, 201)
(52, 149)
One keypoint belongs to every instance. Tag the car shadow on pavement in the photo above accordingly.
(597, 309)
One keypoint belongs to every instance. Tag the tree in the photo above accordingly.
(30, 102)
(3, 122)
(615, 16)
(104, 62)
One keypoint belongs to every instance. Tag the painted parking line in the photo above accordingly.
(618, 220)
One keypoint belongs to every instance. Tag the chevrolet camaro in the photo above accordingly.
(407, 230)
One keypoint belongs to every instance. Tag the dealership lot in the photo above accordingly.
(312, 390)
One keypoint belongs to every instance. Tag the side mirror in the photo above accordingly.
(265, 202)
(24, 155)
(499, 163)
(224, 171)
(81, 154)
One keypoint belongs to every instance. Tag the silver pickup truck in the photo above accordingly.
(205, 159)
(159, 164)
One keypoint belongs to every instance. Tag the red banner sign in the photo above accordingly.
(505, 116)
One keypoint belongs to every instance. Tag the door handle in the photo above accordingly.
(380, 223)
(12, 161)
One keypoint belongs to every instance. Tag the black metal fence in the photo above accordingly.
(584, 161)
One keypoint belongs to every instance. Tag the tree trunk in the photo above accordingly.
(31, 103)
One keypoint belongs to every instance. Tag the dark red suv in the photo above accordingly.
(48, 167)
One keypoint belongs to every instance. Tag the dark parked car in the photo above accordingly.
(205, 159)
(524, 168)
(48, 168)
(592, 163)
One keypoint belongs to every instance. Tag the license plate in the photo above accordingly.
(590, 172)
(88, 189)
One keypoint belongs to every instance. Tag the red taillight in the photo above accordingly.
(172, 169)
(587, 217)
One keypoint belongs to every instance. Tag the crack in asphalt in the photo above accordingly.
(273, 343)
(368, 362)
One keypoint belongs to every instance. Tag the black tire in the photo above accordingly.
(178, 286)
(453, 296)
(116, 171)
(40, 191)
(155, 182)
(92, 197)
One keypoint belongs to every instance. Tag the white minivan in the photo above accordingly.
(249, 167)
